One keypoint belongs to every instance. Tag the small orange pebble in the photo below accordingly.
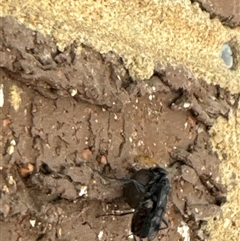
(6, 122)
(191, 121)
(5, 209)
(86, 153)
(104, 160)
(27, 170)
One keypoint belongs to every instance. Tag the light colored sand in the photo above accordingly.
(143, 33)
(226, 141)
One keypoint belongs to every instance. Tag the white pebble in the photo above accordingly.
(32, 222)
(183, 230)
(83, 191)
(10, 150)
(13, 142)
(100, 235)
(73, 92)
(186, 105)
(1, 96)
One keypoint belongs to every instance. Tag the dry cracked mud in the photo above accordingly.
(67, 115)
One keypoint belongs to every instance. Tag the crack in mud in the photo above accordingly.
(122, 133)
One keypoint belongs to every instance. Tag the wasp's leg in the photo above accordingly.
(117, 213)
(135, 238)
(166, 223)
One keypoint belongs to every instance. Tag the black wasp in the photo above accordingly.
(147, 192)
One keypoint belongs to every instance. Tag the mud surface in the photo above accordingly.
(65, 116)
(227, 12)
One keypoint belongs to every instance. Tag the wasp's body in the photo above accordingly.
(147, 192)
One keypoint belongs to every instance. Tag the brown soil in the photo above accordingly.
(227, 12)
(67, 115)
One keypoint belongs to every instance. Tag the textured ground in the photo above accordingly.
(142, 33)
(145, 35)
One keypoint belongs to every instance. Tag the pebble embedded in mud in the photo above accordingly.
(6, 122)
(86, 154)
(26, 170)
(183, 230)
(32, 222)
(100, 235)
(83, 191)
(5, 208)
(104, 160)
(1, 96)
(10, 150)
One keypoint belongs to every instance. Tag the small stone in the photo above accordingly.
(1, 96)
(226, 223)
(130, 236)
(27, 171)
(73, 92)
(83, 191)
(13, 142)
(10, 150)
(5, 189)
(186, 105)
(11, 181)
(5, 209)
(6, 122)
(100, 235)
(183, 230)
(104, 160)
(59, 232)
(86, 154)
(32, 222)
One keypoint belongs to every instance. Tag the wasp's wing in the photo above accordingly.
(147, 219)
(141, 219)
(161, 195)
(133, 193)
